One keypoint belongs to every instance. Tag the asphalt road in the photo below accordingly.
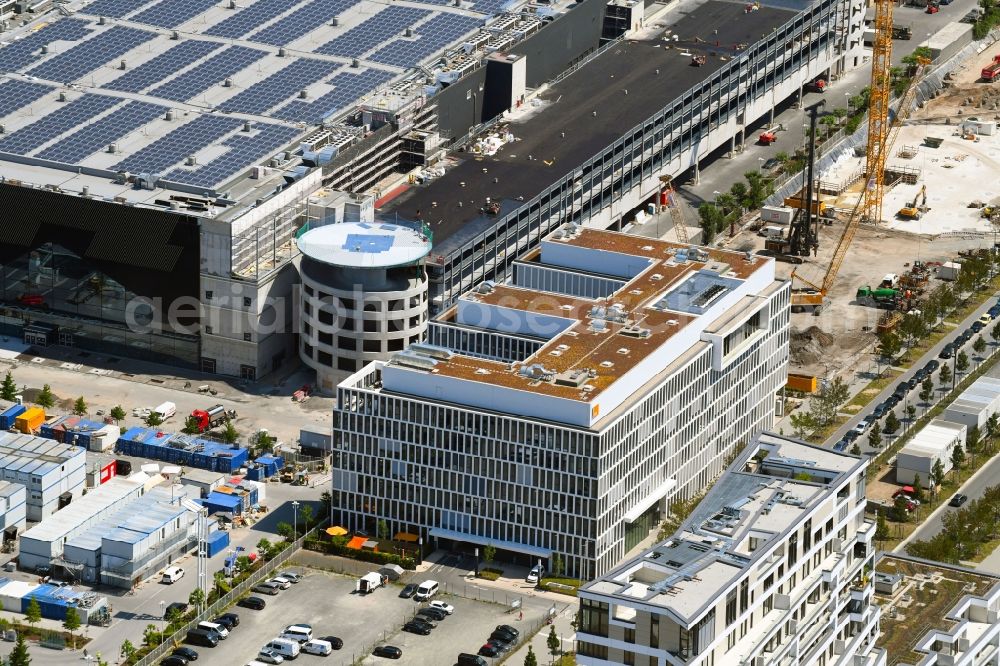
(913, 396)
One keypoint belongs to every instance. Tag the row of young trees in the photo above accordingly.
(729, 206)
(823, 408)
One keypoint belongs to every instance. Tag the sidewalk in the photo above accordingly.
(564, 630)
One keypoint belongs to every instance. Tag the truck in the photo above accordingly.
(880, 296)
(902, 32)
(206, 419)
(370, 582)
(991, 71)
(890, 281)
(166, 410)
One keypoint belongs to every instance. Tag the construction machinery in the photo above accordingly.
(991, 71)
(882, 296)
(206, 419)
(902, 32)
(913, 211)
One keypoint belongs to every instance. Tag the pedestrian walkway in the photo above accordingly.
(562, 621)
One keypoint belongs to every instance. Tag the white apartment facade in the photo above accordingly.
(774, 566)
(560, 413)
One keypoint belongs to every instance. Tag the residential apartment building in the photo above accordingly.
(558, 414)
(774, 566)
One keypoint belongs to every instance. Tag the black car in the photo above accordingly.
(910, 383)
(958, 499)
(233, 618)
(879, 411)
(334, 642)
(931, 366)
(227, 621)
(408, 591)
(174, 660)
(417, 628)
(502, 636)
(177, 607)
(434, 613)
(424, 621)
(977, 326)
(771, 164)
(947, 351)
(390, 651)
(253, 603)
(509, 629)
(185, 653)
(490, 650)
(892, 401)
(850, 435)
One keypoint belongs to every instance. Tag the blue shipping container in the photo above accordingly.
(11, 413)
(217, 542)
(255, 474)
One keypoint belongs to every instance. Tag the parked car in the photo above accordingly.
(932, 366)
(186, 653)
(770, 164)
(911, 383)
(862, 427)
(841, 445)
(947, 351)
(174, 660)
(424, 621)
(388, 651)
(851, 435)
(441, 605)
(253, 603)
(232, 618)
(535, 574)
(283, 583)
(292, 576)
(269, 656)
(267, 588)
(879, 411)
(958, 499)
(408, 591)
(417, 628)
(176, 607)
(903, 490)
(318, 647)
(509, 629)
(986, 318)
(490, 650)
(334, 642)
(435, 614)
(977, 326)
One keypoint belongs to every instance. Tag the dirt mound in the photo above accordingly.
(809, 346)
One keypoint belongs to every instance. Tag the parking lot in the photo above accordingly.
(329, 604)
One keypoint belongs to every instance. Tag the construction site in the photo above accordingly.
(875, 245)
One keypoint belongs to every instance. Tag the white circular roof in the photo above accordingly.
(364, 244)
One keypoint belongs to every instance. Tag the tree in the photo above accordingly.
(230, 434)
(117, 413)
(972, 441)
(45, 398)
(151, 636)
(911, 413)
(889, 346)
(153, 419)
(191, 425)
(993, 425)
(8, 390)
(197, 597)
(33, 614)
(875, 436)
(891, 423)
(558, 567)
(927, 390)
(995, 333)
(219, 579)
(855, 449)
(530, 659)
(127, 650)
(307, 515)
(382, 529)
(71, 623)
(881, 527)
(979, 346)
(489, 552)
(957, 456)
(19, 655)
(901, 509)
(80, 406)
(711, 221)
(962, 362)
(918, 488)
(803, 423)
(937, 472)
(552, 641)
(826, 404)
(944, 376)
(173, 614)
(285, 529)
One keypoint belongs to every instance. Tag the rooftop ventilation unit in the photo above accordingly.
(486, 287)
(433, 351)
(636, 332)
(535, 371)
(411, 360)
(574, 378)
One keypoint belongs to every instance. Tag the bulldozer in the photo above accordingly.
(914, 211)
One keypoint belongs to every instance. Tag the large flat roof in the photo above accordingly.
(111, 71)
(554, 140)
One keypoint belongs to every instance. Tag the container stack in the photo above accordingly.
(182, 450)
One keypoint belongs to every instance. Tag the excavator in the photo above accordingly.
(913, 211)
(813, 296)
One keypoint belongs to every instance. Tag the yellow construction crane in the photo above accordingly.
(675, 211)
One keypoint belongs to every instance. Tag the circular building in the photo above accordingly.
(364, 295)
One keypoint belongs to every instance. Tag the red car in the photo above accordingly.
(31, 299)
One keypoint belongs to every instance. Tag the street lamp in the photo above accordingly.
(760, 165)
(163, 618)
(295, 519)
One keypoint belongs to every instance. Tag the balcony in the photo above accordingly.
(834, 571)
(866, 533)
(862, 591)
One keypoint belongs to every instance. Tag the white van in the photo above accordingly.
(286, 648)
(171, 575)
(318, 647)
(297, 633)
(221, 631)
(427, 589)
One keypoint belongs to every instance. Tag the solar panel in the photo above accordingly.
(433, 2)
(244, 151)
(250, 18)
(348, 88)
(372, 33)
(114, 8)
(97, 135)
(278, 87)
(172, 13)
(163, 66)
(68, 117)
(22, 52)
(435, 35)
(489, 7)
(15, 95)
(209, 73)
(87, 56)
(186, 140)
(302, 21)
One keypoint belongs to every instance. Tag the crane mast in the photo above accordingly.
(878, 114)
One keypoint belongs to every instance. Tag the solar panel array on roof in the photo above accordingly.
(87, 56)
(435, 34)
(186, 140)
(245, 20)
(278, 87)
(489, 7)
(348, 88)
(172, 13)
(15, 95)
(22, 52)
(94, 136)
(302, 21)
(361, 39)
(163, 66)
(244, 151)
(209, 73)
(114, 8)
(70, 116)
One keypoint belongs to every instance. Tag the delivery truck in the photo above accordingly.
(166, 410)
